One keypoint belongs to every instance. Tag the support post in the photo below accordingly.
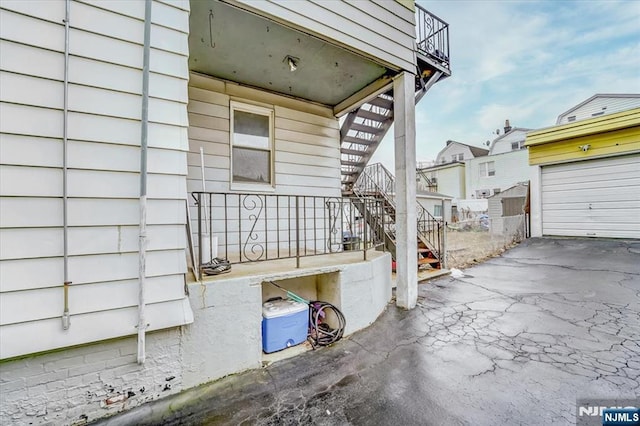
(404, 113)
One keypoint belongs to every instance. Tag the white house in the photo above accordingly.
(598, 105)
(115, 117)
(458, 151)
(489, 175)
(438, 205)
(511, 140)
(505, 166)
(446, 178)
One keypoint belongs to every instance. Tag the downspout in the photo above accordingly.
(142, 265)
(66, 318)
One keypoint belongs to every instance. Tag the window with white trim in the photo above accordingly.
(437, 210)
(487, 169)
(251, 145)
(517, 145)
(457, 157)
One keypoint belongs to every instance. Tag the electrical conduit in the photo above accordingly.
(142, 264)
(66, 318)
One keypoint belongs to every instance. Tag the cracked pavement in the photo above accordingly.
(515, 341)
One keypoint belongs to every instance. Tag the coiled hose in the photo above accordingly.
(320, 333)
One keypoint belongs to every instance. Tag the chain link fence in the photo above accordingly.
(474, 240)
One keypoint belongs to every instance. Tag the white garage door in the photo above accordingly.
(595, 198)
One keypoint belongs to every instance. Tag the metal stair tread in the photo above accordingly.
(360, 141)
(367, 129)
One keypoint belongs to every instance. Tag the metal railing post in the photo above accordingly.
(366, 228)
(200, 234)
(297, 233)
(443, 253)
(383, 234)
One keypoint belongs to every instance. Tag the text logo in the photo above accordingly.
(628, 416)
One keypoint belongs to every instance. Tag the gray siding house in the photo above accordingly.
(138, 139)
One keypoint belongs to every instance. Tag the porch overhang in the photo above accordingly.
(233, 44)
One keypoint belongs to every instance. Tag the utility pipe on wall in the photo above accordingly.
(66, 318)
(142, 264)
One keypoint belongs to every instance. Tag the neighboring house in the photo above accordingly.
(505, 166)
(489, 175)
(598, 105)
(511, 140)
(445, 178)
(585, 179)
(439, 205)
(483, 172)
(116, 117)
(458, 151)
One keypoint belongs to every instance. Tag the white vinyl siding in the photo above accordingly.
(382, 30)
(596, 198)
(306, 155)
(453, 152)
(105, 94)
(599, 106)
(306, 159)
(505, 143)
(510, 168)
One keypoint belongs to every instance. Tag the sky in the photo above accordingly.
(526, 61)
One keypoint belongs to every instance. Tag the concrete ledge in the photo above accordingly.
(225, 337)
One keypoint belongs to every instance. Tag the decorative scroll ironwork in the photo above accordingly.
(335, 214)
(432, 36)
(258, 227)
(250, 203)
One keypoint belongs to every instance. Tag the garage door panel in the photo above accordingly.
(609, 205)
(603, 216)
(594, 169)
(591, 195)
(629, 177)
(598, 198)
(608, 233)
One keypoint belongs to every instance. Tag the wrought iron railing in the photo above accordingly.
(377, 181)
(432, 36)
(258, 227)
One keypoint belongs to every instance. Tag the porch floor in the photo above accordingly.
(286, 268)
(278, 269)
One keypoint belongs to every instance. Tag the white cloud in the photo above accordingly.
(527, 61)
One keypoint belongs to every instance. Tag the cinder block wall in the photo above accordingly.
(76, 385)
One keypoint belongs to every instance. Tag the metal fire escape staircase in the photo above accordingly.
(377, 182)
(364, 128)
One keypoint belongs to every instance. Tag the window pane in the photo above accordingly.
(250, 130)
(251, 165)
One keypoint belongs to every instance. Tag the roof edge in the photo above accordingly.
(605, 123)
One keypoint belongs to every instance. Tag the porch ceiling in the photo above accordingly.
(236, 45)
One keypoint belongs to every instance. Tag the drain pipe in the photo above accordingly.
(66, 318)
(142, 265)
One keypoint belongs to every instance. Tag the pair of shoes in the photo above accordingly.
(217, 266)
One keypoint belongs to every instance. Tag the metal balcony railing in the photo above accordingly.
(258, 227)
(432, 37)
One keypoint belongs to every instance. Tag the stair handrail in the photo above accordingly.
(385, 186)
(385, 226)
(430, 184)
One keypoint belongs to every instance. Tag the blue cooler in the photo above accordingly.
(285, 323)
